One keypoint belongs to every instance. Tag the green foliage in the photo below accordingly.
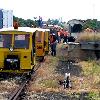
(29, 23)
(93, 96)
(93, 24)
(56, 22)
(49, 21)
(53, 21)
(89, 23)
(24, 23)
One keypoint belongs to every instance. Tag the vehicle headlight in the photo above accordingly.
(8, 60)
(12, 60)
(11, 49)
(15, 60)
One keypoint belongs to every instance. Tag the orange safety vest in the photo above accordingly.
(58, 33)
(51, 39)
(65, 33)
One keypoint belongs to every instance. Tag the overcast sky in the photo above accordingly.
(67, 9)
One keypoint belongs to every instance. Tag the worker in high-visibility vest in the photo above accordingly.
(53, 43)
(65, 36)
(59, 38)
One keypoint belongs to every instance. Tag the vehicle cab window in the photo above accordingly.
(5, 40)
(21, 41)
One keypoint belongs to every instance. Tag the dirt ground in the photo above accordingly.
(52, 71)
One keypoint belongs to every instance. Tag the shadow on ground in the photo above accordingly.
(66, 64)
(68, 67)
(60, 96)
(8, 76)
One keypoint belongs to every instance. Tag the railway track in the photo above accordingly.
(19, 92)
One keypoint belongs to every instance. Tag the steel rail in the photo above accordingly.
(18, 91)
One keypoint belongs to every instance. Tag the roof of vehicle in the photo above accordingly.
(41, 29)
(47, 29)
(21, 29)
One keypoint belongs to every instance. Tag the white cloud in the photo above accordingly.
(67, 9)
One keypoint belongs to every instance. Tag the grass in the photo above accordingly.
(91, 74)
(50, 83)
(91, 67)
(93, 96)
(88, 37)
(47, 79)
(88, 96)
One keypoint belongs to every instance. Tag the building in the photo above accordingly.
(6, 18)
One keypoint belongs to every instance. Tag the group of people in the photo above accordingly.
(65, 35)
(56, 36)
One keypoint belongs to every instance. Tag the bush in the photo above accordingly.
(88, 37)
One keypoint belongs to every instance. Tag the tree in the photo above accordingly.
(29, 23)
(90, 24)
(24, 23)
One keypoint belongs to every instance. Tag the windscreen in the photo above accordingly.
(21, 41)
(5, 40)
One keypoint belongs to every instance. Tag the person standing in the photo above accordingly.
(65, 36)
(59, 38)
(53, 44)
(61, 33)
(40, 22)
